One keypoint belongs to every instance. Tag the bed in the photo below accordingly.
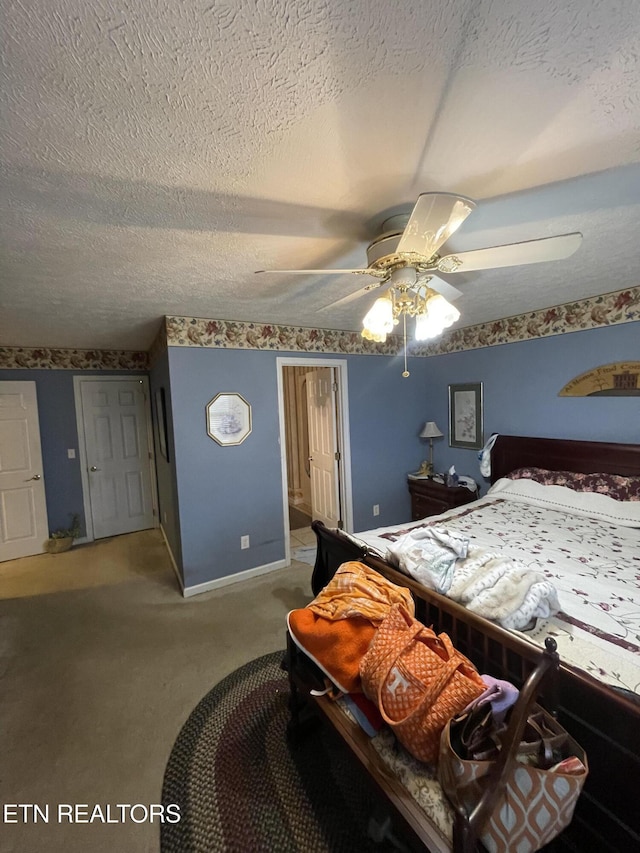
(597, 629)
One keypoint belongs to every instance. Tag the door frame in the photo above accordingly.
(342, 434)
(82, 448)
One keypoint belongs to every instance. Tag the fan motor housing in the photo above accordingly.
(383, 249)
(382, 255)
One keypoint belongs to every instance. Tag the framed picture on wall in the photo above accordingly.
(228, 419)
(161, 421)
(465, 416)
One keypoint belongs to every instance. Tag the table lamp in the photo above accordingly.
(429, 430)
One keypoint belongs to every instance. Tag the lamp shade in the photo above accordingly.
(430, 430)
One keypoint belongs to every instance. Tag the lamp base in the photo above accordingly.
(426, 469)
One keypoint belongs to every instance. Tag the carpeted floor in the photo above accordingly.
(241, 786)
(101, 663)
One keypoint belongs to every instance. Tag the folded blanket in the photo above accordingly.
(491, 585)
(429, 554)
(501, 589)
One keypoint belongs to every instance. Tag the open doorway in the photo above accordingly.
(314, 441)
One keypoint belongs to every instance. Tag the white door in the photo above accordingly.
(118, 456)
(323, 449)
(23, 511)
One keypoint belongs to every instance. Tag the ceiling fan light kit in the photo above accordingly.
(431, 310)
(405, 257)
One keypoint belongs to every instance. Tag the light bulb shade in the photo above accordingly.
(371, 336)
(378, 321)
(439, 315)
(441, 311)
(426, 328)
(430, 430)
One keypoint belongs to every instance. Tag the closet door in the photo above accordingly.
(118, 454)
(23, 511)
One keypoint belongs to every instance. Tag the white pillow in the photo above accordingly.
(592, 504)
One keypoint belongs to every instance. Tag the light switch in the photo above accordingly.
(71, 453)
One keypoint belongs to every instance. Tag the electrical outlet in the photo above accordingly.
(244, 542)
(376, 509)
(71, 453)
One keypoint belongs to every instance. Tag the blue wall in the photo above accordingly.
(387, 413)
(210, 496)
(58, 433)
(521, 382)
(224, 493)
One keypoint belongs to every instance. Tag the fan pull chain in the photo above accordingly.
(405, 372)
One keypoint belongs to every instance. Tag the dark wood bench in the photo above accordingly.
(304, 677)
(604, 722)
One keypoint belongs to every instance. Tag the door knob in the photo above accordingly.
(35, 477)
(93, 468)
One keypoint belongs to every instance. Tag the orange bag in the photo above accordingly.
(418, 680)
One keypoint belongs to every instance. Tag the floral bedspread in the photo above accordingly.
(594, 565)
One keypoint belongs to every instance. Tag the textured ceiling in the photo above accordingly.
(155, 153)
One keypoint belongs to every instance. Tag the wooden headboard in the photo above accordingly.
(556, 454)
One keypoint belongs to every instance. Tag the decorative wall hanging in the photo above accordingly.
(620, 379)
(465, 415)
(228, 418)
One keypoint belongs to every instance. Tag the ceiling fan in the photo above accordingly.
(405, 256)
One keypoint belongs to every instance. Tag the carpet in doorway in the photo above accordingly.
(241, 786)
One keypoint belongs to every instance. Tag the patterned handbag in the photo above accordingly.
(541, 789)
(418, 680)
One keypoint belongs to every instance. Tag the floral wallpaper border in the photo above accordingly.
(41, 358)
(610, 309)
(622, 306)
(232, 334)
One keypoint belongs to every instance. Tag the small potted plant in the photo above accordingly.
(62, 539)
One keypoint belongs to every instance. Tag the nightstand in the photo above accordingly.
(431, 498)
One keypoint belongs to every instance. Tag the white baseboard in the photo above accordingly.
(188, 591)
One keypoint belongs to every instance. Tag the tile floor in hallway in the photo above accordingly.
(304, 536)
(303, 545)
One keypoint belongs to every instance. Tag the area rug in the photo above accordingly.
(242, 786)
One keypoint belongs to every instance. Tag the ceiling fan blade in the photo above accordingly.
(513, 254)
(433, 220)
(351, 297)
(447, 290)
(376, 273)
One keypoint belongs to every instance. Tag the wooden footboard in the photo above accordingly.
(604, 722)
